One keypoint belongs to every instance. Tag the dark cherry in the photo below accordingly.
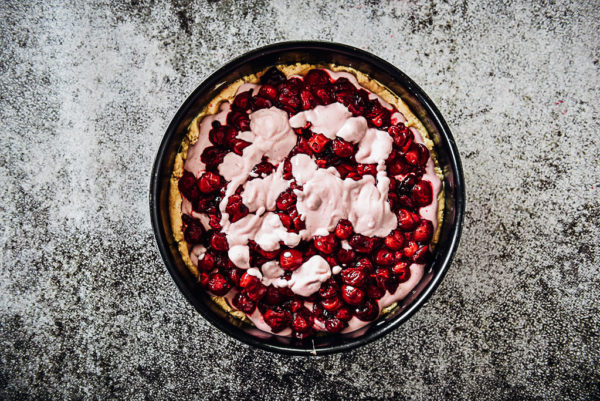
(286, 220)
(290, 259)
(368, 311)
(366, 169)
(329, 289)
(194, 231)
(218, 285)
(273, 296)
(212, 156)
(259, 102)
(272, 77)
(221, 135)
(343, 229)
(242, 101)
(302, 321)
(239, 145)
(374, 292)
(238, 120)
(365, 265)
(188, 187)
(385, 279)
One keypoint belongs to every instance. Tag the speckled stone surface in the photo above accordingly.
(87, 308)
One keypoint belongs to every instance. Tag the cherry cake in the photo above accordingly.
(306, 200)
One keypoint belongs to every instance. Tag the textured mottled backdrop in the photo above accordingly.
(87, 308)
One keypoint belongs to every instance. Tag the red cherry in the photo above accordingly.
(417, 155)
(402, 271)
(354, 277)
(308, 100)
(384, 257)
(277, 318)
(395, 240)
(273, 296)
(366, 169)
(243, 303)
(203, 278)
(352, 295)
(207, 263)
(421, 254)
(422, 193)
(386, 280)
(410, 249)
(316, 77)
(239, 145)
(209, 182)
(342, 148)
(344, 229)
(218, 285)
(345, 256)
(259, 102)
(334, 325)
(219, 242)
(257, 292)
(365, 265)
(318, 142)
(268, 92)
(290, 259)
(332, 303)
(248, 281)
(344, 313)
(326, 243)
(407, 220)
(286, 200)
(235, 208)
(424, 231)
(362, 244)
(286, 220)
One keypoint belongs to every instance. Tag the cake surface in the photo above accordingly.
(306, 199)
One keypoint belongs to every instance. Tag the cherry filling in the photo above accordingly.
(370, 266)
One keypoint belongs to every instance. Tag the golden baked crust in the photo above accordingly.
(227, 95)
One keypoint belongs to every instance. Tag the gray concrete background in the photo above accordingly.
(87, 309)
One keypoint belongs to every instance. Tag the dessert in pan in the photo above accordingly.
(306, 199)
